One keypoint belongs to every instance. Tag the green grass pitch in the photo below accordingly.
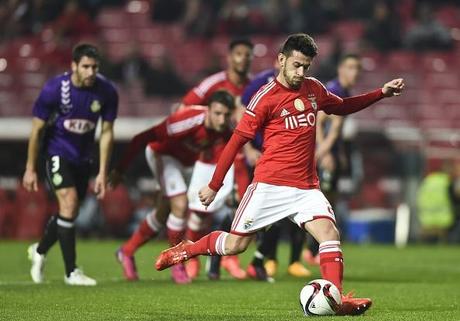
(417, 283)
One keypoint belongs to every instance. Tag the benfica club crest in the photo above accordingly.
(313, 103)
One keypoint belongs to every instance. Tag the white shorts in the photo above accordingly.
(265, 204)
(171, 175)
(202, 174)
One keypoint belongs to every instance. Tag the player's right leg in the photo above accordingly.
(150, 226)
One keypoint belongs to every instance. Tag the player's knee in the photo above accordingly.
(68, 203)
(179, 205)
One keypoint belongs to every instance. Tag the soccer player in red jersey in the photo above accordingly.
(173, 146)
(285, 181)
(234, 79)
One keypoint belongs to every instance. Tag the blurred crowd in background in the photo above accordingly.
(156, 50)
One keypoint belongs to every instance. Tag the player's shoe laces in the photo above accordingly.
(258, 273)
(38, 263)
(179, 274)
(271, 266)
(77, 277)
(128, 264)
(297, 270)
(353, 306)
(232, 265)
(193, 267)
(174, 255)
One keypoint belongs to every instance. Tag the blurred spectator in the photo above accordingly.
(133, 68)
(200, 17)
(302, 16)
(427, 33)
(383, 31)
(434, 208)
(163, 80)
(167, 11)
(74, 22)
(454, 193)
(328, 66)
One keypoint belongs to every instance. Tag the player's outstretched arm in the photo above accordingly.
(30, 180)
(226, 159)
(354, 104)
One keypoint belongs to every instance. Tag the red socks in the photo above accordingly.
(195, 229)
(331, 262)
(175, 229)
(211, 244)
(148, 229)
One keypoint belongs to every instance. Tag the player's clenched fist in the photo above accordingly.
(206, 195)
(393, 88)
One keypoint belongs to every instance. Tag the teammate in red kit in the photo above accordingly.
(234, 79)
(173, 147)
(285, 181)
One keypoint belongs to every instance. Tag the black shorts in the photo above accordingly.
(62, 173)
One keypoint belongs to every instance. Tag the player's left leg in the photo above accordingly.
(318, 219)
(262, 205)
(214, 243)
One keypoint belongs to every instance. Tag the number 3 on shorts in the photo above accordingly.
(55, 164)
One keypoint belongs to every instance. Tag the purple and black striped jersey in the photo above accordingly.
(72, 114)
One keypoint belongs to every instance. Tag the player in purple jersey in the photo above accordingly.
(328, 137)
(66, 113)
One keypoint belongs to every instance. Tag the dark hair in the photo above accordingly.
(223, 97)
(300, 42)
(84, 49)
(348, 56)
(240, 41)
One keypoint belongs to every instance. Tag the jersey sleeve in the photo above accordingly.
(326, 98)
(255, 115)
(193, 97)
(110, 109)
(184, 122)
(46, 102)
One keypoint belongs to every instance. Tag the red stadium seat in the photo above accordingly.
(31, 211)
(402, 61)
(117, 209)
(7, 215)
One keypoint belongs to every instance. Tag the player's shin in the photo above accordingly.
(175, 229)
(331, 262)
(147, 230)
(195, 229)
(66, 236)
(213, 243)
(49, 236)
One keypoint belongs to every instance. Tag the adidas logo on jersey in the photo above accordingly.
(285, 112)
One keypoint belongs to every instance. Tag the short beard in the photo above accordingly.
(293, 86)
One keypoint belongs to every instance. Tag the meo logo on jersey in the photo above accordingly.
(79, 126)
(293, 122)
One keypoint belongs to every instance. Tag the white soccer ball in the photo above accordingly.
(320, 297)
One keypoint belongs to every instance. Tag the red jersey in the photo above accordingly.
(287, 120)
(182, 135)
(201, 93)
